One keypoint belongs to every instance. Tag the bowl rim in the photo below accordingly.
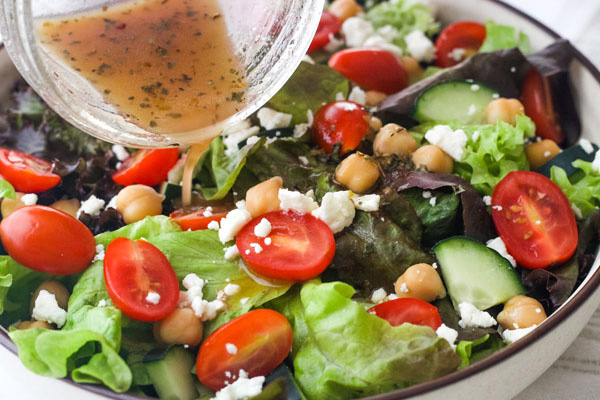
(584, 293)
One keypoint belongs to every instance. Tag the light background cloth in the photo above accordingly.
(574, 376)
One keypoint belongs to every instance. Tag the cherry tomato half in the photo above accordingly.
(146, 167)
(27, 173)
(48, 240)
(534, 219)
(134, 268)
(537, 101)
(262, 339)
(199, 218)
(342, 122)
(302, 246)
(371, 68)
(328, 25)
(408, 310)
(465, 35)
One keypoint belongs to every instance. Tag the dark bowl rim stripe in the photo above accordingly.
(555, 319)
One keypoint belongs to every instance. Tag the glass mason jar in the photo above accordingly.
(270, 38)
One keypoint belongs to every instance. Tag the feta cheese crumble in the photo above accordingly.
(586, 146)
(296, 201)
(102, 303)
(91, 206)
(29, 199)
(426, 194)
(498, 245)
(472, 109)
(263, 228)
(153, 297)
(242, 388)
(231, 252)
(433, 201)
(208, 212)
(448, 334)
(257, 248)
(231, 348)
(419, 46)
(356, 31)
(271, 119)
(367, 202)
(512, 335)
(596, 162)
(403, 288)
(214, 225)
(120, 152)
(237, 133)
(452, 142)
(112, 203)
(378, 295)
(233, 222)
(231, 289)
(268, 241)
(336, 210)
(46, 309)
(382, 43)
(457, 54)
(487, 200)
(303, 160)
(99, 253)
(358, 95)
(470, 316)
(475, 87)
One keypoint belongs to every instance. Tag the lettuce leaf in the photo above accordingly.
(478, 349)
(500, 37)
(7, 190)
(341, 351)
(583, 191)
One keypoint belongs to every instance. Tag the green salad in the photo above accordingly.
(413, 200)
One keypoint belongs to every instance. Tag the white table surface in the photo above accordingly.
(574, 376)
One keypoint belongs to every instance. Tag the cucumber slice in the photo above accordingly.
(171, 374)
(462, 101)
(476, 274)
(565, 159)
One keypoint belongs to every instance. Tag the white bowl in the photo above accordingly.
(507, 372)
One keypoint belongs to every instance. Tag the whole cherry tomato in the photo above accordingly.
(341, 122)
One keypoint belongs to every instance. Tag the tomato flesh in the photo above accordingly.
(537, 101)
(302, 246)
(146, 167)
(465, 35)
(47, 240)
(328, 25)
(371, 68)
(341, 122)
(408, 310)
(534, 219)
(199, 219)
(27, 173)
(134, 268)
(262, 339)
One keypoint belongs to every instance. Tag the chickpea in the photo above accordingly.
(373, 97)
(264, 197)
(9, 205)
(521, 312)
(34, 325)
(136, 202)
(434, 159)
(412, 67)
(539, 153)
(180, 327)
(357, 173)
(344, 9)
(53, 287)
(504, 110)
(394, 139)
(375, 124)
(69, 206)
(420, 281)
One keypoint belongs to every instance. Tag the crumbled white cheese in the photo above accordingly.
(214, 225)
(99, 253)
(367, 202)
(340, 96)
(102, 303)
(235, 134)
(457, 54)
(378, 295)
(389, 33)
(233, 222)
(112, 203)
(271, 119)
(206, 310)
(153, 297)
(487, 200)
(576, 211)
(547, 154)
(91, 206)
(192, 280)
(472, 109)
(296, 201)
(383, 44)
(356, 31)
(257, 248)
(244, 300)
(452, 142)
(512, 335)
(358, 95)
(470, 316)
(300, 129)
(434, 265)
(475, 87)
(495, 96)
(426, 194)
(475, 136)
(420, 46)
(231, 348)
(231, 289)
(497, 208)
(513, 69)
(336, 210)
(46, 309)
(448, 334)
(433, 201)
(263, 228)
(242, 388)
(392, 296)
(403, 288)
(334, 43)
(596, 162)
(29, 199)
(268, 241)
(231, 252)
(208, 212)
(120, 152)
(498, 245)
(586, 146)
(303, 160)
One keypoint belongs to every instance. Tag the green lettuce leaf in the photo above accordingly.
(582, 189)
(500, 37)
(7, 190)
(341, 351)
(476, 350)
(405, 16)
(309, 88)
